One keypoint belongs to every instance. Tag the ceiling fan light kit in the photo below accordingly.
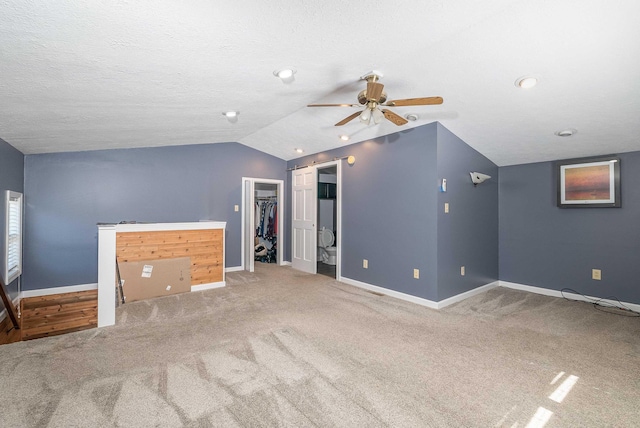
(374, 97)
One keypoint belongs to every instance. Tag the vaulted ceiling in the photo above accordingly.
(77, 75)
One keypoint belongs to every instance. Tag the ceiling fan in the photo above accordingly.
(373, 98)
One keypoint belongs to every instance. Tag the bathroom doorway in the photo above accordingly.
(327, 220)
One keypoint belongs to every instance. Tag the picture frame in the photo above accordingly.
(589, 182)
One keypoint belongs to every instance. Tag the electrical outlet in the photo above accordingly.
(416, 273)
(596, 274)
(365, 263)
(462, 270)
(236, 208)
(446, 207)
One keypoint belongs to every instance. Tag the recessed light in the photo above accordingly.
(232, 116)
(411, 116)
(344, 137)
(526, 82)
(566, 132)
(285, 74)
(299, 150)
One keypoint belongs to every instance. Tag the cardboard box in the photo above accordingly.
(155, 278)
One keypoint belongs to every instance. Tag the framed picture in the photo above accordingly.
(593, 182)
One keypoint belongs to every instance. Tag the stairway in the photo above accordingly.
(55, 314)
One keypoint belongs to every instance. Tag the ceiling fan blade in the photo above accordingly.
(334, 105)
(426, 101)
(348, 118)
(374, 91)
(398, 120)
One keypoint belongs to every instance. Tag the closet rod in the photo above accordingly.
(314, 163)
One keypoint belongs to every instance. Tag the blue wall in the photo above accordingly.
(389, 210)
(68, 193)
(393, 213)
(11, 178)
(468, 234)
(546, 246)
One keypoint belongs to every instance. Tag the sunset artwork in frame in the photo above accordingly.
(589, 182)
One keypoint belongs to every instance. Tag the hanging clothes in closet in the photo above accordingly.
(266, 229)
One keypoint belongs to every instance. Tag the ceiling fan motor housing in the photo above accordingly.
(362, 97)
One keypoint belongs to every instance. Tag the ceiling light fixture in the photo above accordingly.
(299, 150)
(285, 74)
(569, 132)
(344, 137)
(411, 116)
(526, 82)
(365, 116)
(232, 116)
(377, 115)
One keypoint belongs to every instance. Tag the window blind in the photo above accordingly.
(14, 236)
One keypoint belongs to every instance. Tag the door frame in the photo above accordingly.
(339, 236)
(248, 200)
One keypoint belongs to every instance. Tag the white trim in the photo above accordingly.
(58, 290)
(286, 263)
(391, 293)
(153, 227)
(106, 275)
(462, 296)
(233, 269)
(208, 286)
(419, 300)
(556, 293)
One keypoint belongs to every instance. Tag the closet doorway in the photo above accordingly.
(262, 220)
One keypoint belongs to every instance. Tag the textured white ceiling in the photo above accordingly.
(77, 75)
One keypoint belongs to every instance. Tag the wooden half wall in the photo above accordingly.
(204, 247)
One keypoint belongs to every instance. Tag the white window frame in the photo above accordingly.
(12, 261)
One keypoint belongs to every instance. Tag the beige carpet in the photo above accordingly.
(282, 348)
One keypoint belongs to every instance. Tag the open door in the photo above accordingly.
(248, 222)
(303, 201)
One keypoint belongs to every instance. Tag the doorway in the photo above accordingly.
(305, 221)
(327, 221)
(262, 222)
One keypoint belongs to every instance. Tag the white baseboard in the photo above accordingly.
(556, 293)
(233, 269)
(398, 295)
(460, 297)
(419, 300)
(58, 290)
(208, 286)
(286, 263)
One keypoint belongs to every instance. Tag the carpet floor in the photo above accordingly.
(283, 348)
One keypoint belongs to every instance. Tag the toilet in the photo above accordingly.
(326, 252)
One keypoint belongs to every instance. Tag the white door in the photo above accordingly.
(248, 225)
(303, 201)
